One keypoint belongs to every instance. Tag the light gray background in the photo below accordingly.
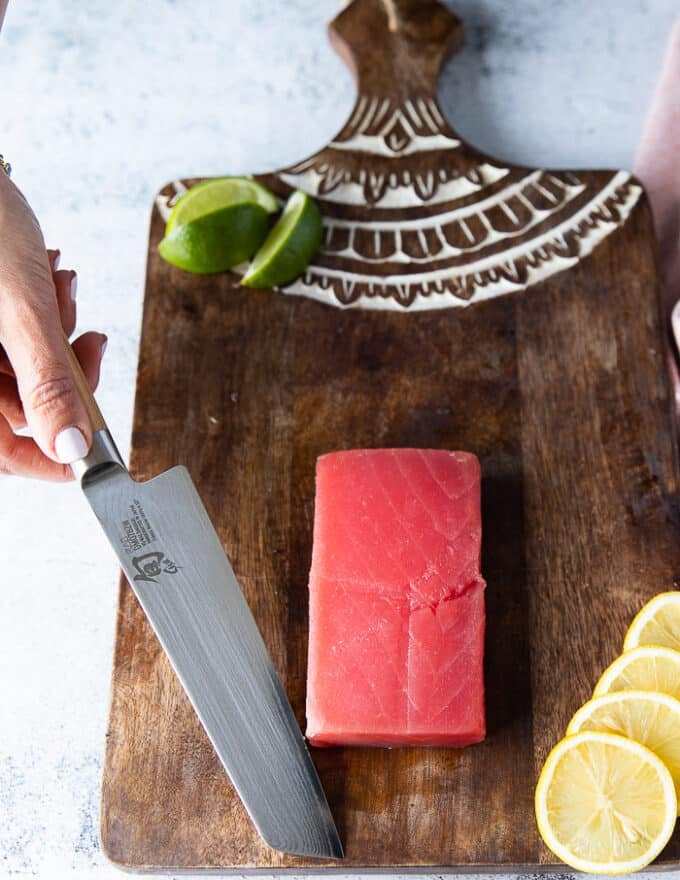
(100, 104)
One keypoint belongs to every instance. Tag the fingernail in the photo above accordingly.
(70, 445)
(74, 287)
(104, 344)
(57, 259)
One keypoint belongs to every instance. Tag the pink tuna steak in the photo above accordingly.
(396, 613)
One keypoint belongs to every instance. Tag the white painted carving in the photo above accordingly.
(398, 135)
(520, 231)
(436, 245)
(388, 131)
(377, 117)
(165, 203)
(399, 189)
(395, 143)
(488, 276)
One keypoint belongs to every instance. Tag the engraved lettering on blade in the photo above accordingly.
(152, 565)
(136, 530)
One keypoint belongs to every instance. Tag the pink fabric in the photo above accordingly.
(658, 166)
(658, 163)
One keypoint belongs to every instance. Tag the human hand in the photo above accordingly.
(37, 307)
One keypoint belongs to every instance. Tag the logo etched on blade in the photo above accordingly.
(152, 565)
(136, 533)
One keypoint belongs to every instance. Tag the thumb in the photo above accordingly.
(36, 347)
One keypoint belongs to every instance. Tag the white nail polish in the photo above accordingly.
(74, 288)
(104, 344)
(70, 445)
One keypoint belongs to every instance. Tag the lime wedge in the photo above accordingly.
(220, 192)
(290, 245)
(216, 241)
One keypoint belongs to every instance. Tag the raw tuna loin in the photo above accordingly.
(396, 613)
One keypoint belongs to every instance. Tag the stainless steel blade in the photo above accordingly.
(177, 567)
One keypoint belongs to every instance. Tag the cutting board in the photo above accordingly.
(458, 302)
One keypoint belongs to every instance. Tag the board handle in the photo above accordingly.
(396, 48)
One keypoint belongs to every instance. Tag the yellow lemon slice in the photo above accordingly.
(648, 717)
(605, 804)
(657, 623)
(648, 668)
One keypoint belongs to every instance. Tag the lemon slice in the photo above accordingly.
(658, 623)
(216, 193)
(604, 803)
(648, 717)
(648, 668)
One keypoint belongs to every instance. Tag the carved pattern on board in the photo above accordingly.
(495, 229)
(413, 217)
(481, 270)
(379, 127)
(537, 225)
(371, 160)
(508, 214)
(389, 182)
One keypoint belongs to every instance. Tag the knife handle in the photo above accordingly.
(84, 392)
(103, 451)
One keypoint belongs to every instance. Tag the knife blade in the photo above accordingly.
(177, 567)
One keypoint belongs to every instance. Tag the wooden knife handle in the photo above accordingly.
(90, 404)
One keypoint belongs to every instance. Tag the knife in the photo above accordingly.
(175, 564)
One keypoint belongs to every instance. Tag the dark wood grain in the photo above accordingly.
(559, 387)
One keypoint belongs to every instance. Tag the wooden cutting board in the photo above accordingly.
(457, 303)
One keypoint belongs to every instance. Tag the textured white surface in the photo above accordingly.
(102, 103)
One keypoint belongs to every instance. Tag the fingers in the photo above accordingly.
(33, 339)
(21, 457)
(31, 331)
(89, 349)
(66, 285)
(37, 350)
(10, 403)
(5, 366)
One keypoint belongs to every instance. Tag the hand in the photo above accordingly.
(37, 306)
